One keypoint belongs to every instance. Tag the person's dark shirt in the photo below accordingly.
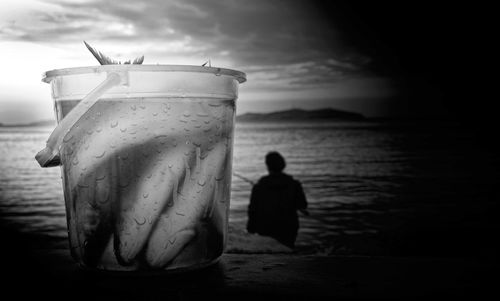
(273, 207)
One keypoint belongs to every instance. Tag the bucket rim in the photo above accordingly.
(49, 75)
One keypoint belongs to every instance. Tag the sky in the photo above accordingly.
(296, 54)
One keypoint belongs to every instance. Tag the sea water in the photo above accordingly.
(147, 182)
(366, 184)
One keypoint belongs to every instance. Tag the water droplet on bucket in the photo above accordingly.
(141, 222)
(67, 138)
(201, 182)
(145, 195)
(100, 155)
(123, 130)
(83, 185)
(99, 129)
(133, 107)
(114, 124)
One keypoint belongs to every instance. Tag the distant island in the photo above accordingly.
(302, 115)
(326, 114)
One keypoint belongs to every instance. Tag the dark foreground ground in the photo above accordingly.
(32, 272)
(251, 276)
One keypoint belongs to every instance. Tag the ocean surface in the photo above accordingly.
(374, 188)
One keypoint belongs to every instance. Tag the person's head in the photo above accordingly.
(275, 162)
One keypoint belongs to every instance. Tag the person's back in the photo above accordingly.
(274, 202)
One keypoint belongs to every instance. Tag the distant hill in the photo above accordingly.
(301, 115)
(287, 115)
(36, 123)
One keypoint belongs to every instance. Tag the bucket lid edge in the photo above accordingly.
(238, 75)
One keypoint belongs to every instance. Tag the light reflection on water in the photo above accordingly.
(354, 175)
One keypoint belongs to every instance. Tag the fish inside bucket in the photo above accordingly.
(146, 155)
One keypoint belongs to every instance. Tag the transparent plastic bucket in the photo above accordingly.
(147, 169)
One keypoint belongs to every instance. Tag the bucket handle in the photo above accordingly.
(49, 156)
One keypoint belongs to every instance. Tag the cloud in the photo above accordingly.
(253, 32)
(281, 45)
(313, 74)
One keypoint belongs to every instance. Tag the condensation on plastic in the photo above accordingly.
(170, 84)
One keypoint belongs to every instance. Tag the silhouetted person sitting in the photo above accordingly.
(274, 202)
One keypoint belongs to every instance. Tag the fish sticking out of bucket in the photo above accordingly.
(105, 60)
(146, 155)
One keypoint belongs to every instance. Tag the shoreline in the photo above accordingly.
(35, 269)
